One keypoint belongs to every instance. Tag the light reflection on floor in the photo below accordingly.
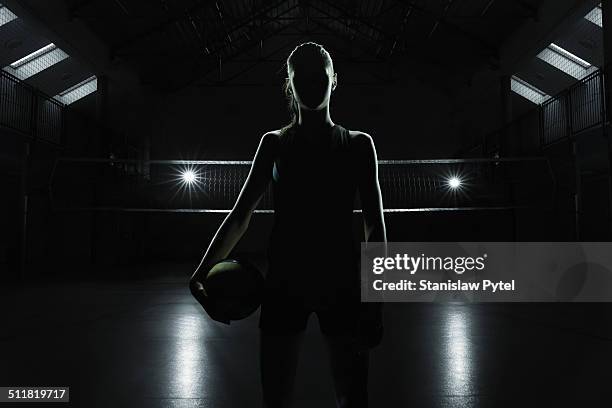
(189, 357)
(458, 351)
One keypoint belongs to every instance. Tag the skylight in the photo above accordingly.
(569, 55)
(78, 91)
(595, 16)
(36, 62)
(567, 62)
(33, 55)
(6, 15)
(527, 91)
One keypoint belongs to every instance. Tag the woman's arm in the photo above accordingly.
(237, 221)
(374, 227)
(369, 189)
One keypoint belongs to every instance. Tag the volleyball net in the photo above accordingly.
(85, 184)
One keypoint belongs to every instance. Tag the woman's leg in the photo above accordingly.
(349, 370)
(278, 361)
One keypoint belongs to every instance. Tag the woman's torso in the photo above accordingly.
(312, 251)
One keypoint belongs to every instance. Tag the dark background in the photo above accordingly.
(95, 254)
(203, 80)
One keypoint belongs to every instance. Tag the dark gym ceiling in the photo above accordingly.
(173, 43)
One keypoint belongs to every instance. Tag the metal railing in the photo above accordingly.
(577, 109)
(28, 111)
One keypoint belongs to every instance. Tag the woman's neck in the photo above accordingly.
(314, 119)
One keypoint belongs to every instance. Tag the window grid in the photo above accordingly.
(558, 58)
(78, 91)
(38, 64)
(6, 15)
(595, 17)
(527, 91)
(32, 56)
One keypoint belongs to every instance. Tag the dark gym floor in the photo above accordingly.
(147, 343)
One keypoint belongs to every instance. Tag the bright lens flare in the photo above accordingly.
(454, 182)
(189, 176)
(189, 181)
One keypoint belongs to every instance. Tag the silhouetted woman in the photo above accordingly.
(317, 168)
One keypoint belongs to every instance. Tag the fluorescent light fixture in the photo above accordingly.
(78, 91)
(569, 55)
(33, 56)
(527, 91)
(595, 16)
(6, 15)
(567, 62)
(36, 62)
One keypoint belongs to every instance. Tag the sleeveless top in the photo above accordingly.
(313, 256)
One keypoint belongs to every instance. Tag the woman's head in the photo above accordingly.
(310, 78)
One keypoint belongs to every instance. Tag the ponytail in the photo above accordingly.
(291, 105)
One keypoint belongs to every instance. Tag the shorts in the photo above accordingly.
(290, 317)
(347, 318)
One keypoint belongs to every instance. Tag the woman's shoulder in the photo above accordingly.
(360, 140)
(278, 134)
(273, 133)
(359, 135)
(271, 137)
